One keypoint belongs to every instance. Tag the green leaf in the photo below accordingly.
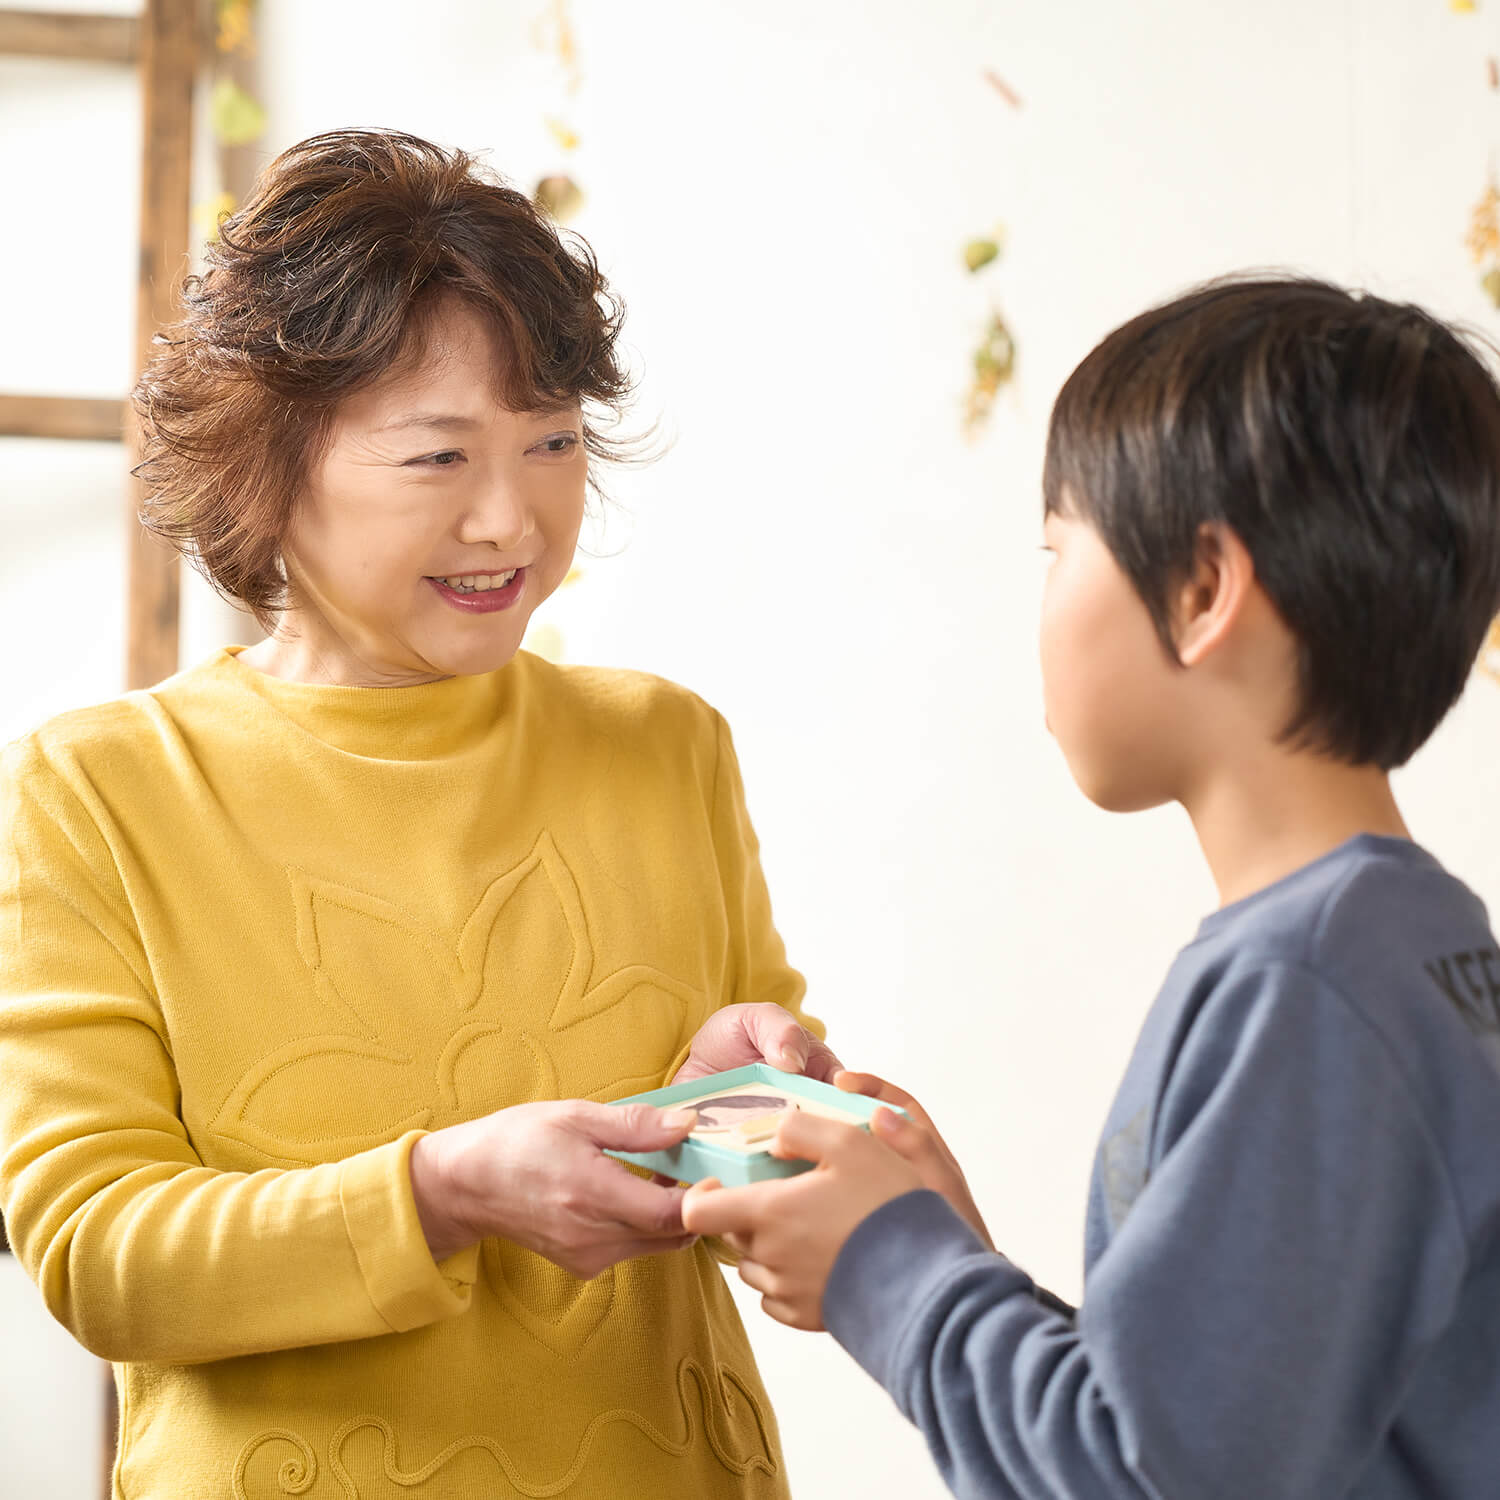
(237, 118)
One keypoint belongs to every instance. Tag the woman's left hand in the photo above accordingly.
(741, 1034)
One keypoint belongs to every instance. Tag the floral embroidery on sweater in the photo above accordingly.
(432, 1031)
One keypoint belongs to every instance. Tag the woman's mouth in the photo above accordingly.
(481, 593)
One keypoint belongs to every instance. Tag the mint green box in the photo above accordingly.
(694, 1160)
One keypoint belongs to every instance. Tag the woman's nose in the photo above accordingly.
(502, 516)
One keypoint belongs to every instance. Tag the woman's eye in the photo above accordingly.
(445, 459)
(558, 444)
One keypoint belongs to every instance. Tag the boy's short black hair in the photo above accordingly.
(1352, 444)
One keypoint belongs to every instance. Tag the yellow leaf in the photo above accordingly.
(207, 216)
(565, 137)
(235, 34)
(237, 118)
(979, 253)
(1463, 7)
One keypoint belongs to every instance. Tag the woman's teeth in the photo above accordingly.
(477, 583)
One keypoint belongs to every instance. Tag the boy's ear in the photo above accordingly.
(1212, 598)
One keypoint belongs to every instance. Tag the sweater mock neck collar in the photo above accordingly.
(430, 721)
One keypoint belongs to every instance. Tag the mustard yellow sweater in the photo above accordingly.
(257, 936)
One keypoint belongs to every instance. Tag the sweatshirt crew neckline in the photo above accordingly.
(1360, 845)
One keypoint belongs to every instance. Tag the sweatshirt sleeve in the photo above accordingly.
(758, 968)
(1249, 1330)
(140, 1250)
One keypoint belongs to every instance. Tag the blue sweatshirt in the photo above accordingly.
(1293, 1248)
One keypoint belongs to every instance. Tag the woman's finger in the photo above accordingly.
(622, 1198)
(777, 1036)
(822, 1062)
(631, 1127)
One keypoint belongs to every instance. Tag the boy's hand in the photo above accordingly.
(741, 1034)
(917, 1139)
(791, 1231)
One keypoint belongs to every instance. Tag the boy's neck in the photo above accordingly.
(1263, 819)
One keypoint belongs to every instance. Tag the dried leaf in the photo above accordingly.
(558, 196)
(1490, 281)
(1483, 238)
(237, 118)
(235, 33)
(563, 135)
(994, 366)
(979, 253)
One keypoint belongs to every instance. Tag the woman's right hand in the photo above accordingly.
(536, 1174)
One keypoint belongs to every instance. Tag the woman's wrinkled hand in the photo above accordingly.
(742, 1034)
(536, 1174)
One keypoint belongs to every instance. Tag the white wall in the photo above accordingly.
(780, 190)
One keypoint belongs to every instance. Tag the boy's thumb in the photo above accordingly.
(640, 1127)
(897, 1132)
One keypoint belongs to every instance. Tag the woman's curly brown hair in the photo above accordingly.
(319, 285)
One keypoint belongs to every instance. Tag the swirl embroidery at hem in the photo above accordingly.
(296, 1475)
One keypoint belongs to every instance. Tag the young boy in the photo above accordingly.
(1275, 513)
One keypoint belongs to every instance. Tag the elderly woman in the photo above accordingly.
(319, 961)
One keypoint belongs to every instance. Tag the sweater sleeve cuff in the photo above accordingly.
(887, 1272)
(408, 1288)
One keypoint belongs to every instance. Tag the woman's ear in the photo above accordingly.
(1211, 600)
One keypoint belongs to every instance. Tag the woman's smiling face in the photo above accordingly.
(433, 523)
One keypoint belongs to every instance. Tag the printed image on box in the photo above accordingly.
(743, 1120)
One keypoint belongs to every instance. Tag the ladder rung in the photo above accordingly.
(91, 418)
(38, 33)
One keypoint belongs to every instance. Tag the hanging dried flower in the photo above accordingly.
(565, 136)
(994, 366)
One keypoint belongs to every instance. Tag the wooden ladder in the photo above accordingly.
(164, 42)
